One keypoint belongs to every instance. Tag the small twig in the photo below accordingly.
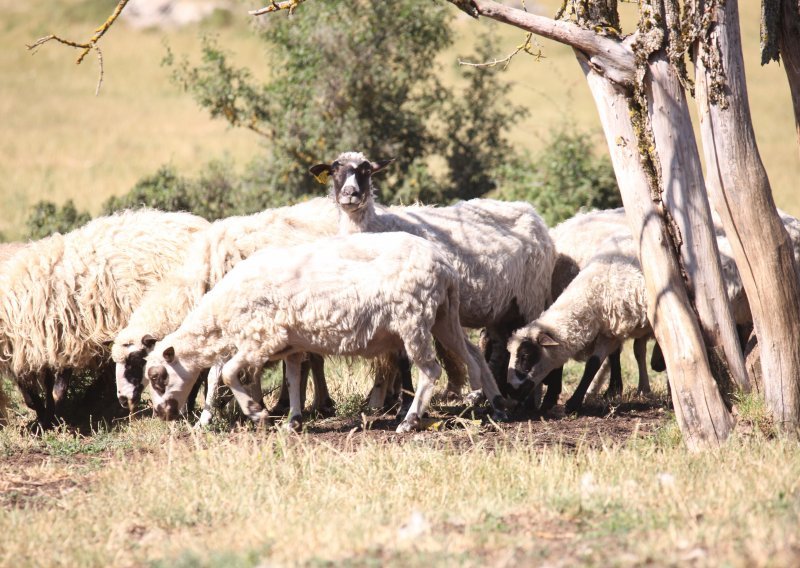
(274, 6)
(526, 46)
(88, 46)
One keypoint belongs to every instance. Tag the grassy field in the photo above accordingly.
(59, 141)
(613, 487)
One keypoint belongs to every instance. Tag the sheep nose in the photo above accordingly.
(168, 410)
(123, 401)
(350, 191)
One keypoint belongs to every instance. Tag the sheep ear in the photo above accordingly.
(169, 354)
(148, 341)
(378, 166)
(547, 341)
(320, 173)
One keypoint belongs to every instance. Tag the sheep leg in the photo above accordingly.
(406, 384)
(419, 351)
(601, 378)
(60, 387)
(191, 401)
(282, 406)
(555, 383)
(253, 409)
(212, 384)
(454, 370)
(615, 381)
(602, 350)
(640, 353)
(323, 403)
(657, 362)
(294, 364)
(384, 375)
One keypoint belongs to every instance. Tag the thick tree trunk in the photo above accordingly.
(790, 51)
(741, 194)
(685, 198)
(699, 409)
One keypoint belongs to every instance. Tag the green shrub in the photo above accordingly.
(47, 218)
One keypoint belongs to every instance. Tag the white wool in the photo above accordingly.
(63, 298)
(501, 251)
(356, 295)
(215, 252)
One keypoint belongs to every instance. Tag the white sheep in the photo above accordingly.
(7, 250)
(576, 241)
(212, 255)
(603, 306)
(355, 295)
(65, 297)
(501, 251)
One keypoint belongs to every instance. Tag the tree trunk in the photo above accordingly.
(790, 51)
(741, 194)
(685, 198)
(699, 409)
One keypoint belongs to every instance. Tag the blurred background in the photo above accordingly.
(204, 108)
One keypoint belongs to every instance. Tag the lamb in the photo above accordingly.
(63, 298)
(605, 304)
(355, 295)
(576, 242)
(501, 251)
(211, 256)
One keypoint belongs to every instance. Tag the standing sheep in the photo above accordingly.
(211, 256)
(501, 251)
(65, 297)
(356, 295)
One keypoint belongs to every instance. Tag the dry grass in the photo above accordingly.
(617, 490)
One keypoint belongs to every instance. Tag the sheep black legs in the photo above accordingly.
(615, 380)
(323, 403)
(554, 382)
(575, 402)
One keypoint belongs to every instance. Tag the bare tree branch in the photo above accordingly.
(89, 45)
(607, 56)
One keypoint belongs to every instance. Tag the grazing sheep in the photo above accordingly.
(360, 295)
(210, 257)
(501, 251)
(603, 306)
(63, 298)
(576, 242)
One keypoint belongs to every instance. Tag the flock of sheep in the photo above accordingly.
(177, 298)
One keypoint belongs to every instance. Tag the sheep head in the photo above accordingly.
(171, 379)
(534, 353)
(352, 175)
(129, 358)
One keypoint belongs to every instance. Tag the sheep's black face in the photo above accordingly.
(352, 183)
(528, 354)
(158, 378)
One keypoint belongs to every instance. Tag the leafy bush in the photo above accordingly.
(565, 178)
(47, 218)
(365, 79)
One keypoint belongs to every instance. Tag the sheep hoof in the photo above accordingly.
(500, 416)
(475, 398)
(573, 406)
(410, 424)
(294, 424)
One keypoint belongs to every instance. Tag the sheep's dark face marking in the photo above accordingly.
(528, 355)
(130, 375)
(534, 356)
(352, 178)
(158, 378)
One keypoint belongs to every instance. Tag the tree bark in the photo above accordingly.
(741, 194)
(686, 200)
(790, 51)
(699, 409)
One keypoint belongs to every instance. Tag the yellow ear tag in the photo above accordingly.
(322, 178)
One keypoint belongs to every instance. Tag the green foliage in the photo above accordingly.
(365, 79)
(214, 194)
(47, 218)
(564, 178)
